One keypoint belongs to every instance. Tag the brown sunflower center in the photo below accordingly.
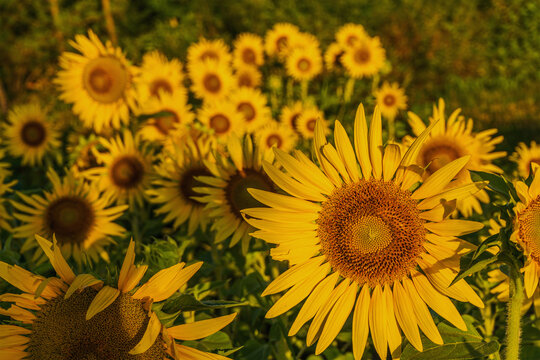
(304, 65)
(61, 332)
(362, 55)
(310, 124)
(371, 232)
(212, 83)
(127, 172)
(164, 124)
(105, 79)
(294, 120)
(245, 80)
(220, 123)
(274, 140)
(281, 43)
(188, 182)
(439, 151)
(70, 218)
(529, 228)
(248, 56)
(33, 133)
(351, 40)
(209, 55)
(160, 85)
(248, 110)
(236, 190)
(389, 100)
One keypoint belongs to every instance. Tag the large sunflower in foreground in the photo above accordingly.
(76, 213)
(525, 157)
(29, 133)
(365, 58)
(98, 82)
(79, 317)
(225, 192)
(451, 139)
(358, 235)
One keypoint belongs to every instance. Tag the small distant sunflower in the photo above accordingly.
(307, 121)
(277, 39)
(29, 133)
(99, 83)
(204, 50)
(5, 216)
(248, 51)
(179, 114)
(248, 76)
(211, 80)
(390, 99)
(225, 192)
(251, 103)
(79, 317)
(175, 180)
(365, 58)
(290, 114)
(277, 135)
(76, 213)
(126, 170)
(333, 55)
(159, 75)
(351, 34)
(304, 41)
(222, 118)
(525, 157)
(451, 139)
(304, 63)
(359, 241)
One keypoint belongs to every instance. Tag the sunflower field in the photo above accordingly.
(251, 180)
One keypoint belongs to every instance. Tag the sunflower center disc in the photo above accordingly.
(310, 124)
(220, 123)
(127, 172)
(437, 152)
(245, 80)
(281, 43)
(33, 133)
(274, 140)
(248, 56)
(389, 100)
(105, 79)
(70, 218)
(164, 124)
(247, 110)
(209, 55)
(304, 65)
(212, 83)
(61, 332)
(370, 231)
(529, 228)
(160, 85)
(238, 196)
(362, 56)
(188, 182)
(351, 40)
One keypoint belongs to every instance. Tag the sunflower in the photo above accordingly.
(351, 34)
(248, 51)
(304, 41)
(525, 157)
(304, 63)
(98, 83)
(365, 58)
(79, 317)
(29, 133)
(451, 139)
(5, 216)
(76, 213)
(222, 118)
(290, 114)
(307, 120)
(251, 104)
(277, 39)
(211, 80)
(159, 75)
(248, 76)
(126, 171)
(173, 185)
(225, 192)
(178, 114)
(390, 99)
(277, 135)
(333, 55)
(203, 50)
(358, 223)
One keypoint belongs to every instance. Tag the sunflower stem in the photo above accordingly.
(55, 13)
(304, 90)
(513, 330)
(109, 21)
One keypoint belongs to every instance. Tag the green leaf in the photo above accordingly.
(254, 350)
(186, 302)
(470, 265)
(497, 183)
(217, 341)
(493, 240)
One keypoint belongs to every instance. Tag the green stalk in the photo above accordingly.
(513, 330)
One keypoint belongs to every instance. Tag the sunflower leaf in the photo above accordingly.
(497, 183)
(186, 302)
(470, 264)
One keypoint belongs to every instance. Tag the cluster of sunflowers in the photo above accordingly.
(370, 226)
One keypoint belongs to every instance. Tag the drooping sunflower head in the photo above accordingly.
(278, 39)
(351, 34)
(248, 76)
(525, 157)
(222, 119)
(248, 51)
(204, 50)
(159, 75)
(333, 55)
(308, 119)
(251, 104)
(29, 133)
(79, 317)
(98, 82)
(358, 219)
(304, 63)
(365, 58)
(452, 138)
(277, 135)
(211, 80)
(290, 115)
(390, 99)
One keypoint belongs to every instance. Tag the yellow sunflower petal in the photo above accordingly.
(283, 202)
(531, 279)
(8, 330)
(361, 142)
(407, 322)
(80, 282)
(377, 322)
(292, 276)
(346, 151)
(200, 329)
(360, 326)
(149, 337)
(103, 299)
(129, 260)
(453, 227)
(394, 336)
(391, 159)
(290, 185)
(57, 260)
(409, 158)
(452, 194)
(187, 353)
(375, 143)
